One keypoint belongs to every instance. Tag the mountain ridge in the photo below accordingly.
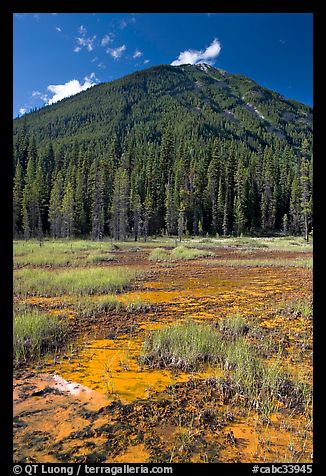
(209, 89)
(170, 149)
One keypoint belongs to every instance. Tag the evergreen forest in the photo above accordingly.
(176, 150)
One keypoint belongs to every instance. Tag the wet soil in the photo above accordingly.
(96, 403)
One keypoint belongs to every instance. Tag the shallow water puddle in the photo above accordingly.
(111, 366)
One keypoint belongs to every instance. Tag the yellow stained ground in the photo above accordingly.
(111, 366)
(189, 290)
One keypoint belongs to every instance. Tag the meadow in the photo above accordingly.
(224, 324)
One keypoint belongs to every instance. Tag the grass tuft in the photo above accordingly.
(37, 282)
(233, 326)
(296, 308)
(36, 333)
(263, 263)
(182, 346)
(179, 253)
(258, 384)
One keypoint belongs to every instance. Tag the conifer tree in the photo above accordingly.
(305, 198)
(135, 208)
(147, 213)
(170, 215)
(98, 204)
(239, 216)
(119, 207)
(68, 211)
(18, 199)
(55, 207)
(80, 202)
(181, 221)
(295, 211)
(212, 193)
(30, 204)
(220, 206)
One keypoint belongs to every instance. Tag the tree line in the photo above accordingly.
(175, 187)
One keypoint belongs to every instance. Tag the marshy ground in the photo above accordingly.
(143, 353)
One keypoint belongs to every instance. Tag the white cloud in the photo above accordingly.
(101, 65)
(57, 28)
(90, 77)
(199, 56)
(38, 94)
(127, 21)
(94, 59)
(88, 43)
(123, 24)
(61, 91)
(137, 53)
(107, 39)
(146, 61)
(82, 30)
(22, 111)
(116, 53)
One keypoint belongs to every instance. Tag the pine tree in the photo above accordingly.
(285, 224)
(30, 205)
(305, 198)
(18, 199)
(239, 216)
(212, 193)
(98, 204)
(220, 206)
(226, 212)
(147, 214)
(80, 202)
(240, 198)
(170, 215)
(21, 147)
(68, 211)
(119, 207)
(295, 211)
(41, 199)
(181, 221)
(55, 207)
(135, 208)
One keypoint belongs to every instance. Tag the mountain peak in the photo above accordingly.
(200, 96)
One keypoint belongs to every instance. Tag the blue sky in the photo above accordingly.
(60, 54)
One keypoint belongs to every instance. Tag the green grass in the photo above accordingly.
(54, 246)
(99, 258)
(138, 305)
(159, 254)
(35, 282)
(87, 306)
(263, 263)
(281, 243)
(44, 259)
(260, 384)
(296, 308)
(183, 252)
(233, 326)
(182, 346)
(60, 253)
(179, 253)
(35, 333)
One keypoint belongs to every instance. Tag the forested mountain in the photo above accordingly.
(171, 149)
